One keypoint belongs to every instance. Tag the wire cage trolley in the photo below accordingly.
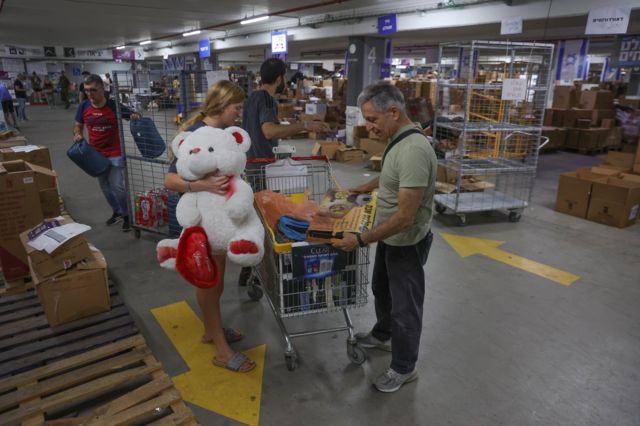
(291, 295)
(163, 106)
(489, 113)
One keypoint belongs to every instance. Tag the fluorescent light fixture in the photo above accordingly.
(121, 47)
(190, 33)
(254, 19)
(142, 43)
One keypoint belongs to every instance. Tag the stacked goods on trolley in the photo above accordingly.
(151, 208)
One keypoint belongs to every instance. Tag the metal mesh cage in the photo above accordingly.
(489, 112)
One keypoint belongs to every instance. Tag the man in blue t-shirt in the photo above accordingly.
(260, 120)
(7, 107)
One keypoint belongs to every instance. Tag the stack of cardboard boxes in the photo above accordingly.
(607, 194)
(581, 120)
(71, 281)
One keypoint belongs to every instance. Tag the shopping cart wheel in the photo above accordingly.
(355, 353)
(291, 360)
(514, 216)
(440, 208)
(462, 220)
(255, 291)
(136, 232)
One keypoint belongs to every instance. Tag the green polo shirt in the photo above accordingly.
(411, 163)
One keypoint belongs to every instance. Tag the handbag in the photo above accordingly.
(88, 159)
(147, 138)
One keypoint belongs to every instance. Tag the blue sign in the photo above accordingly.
(279, 42)
(76, 72)
(385, 70)
(204, 48)
(387, 24)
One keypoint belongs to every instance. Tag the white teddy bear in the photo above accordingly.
(229, 221)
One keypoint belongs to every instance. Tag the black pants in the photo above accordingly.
(398, 286)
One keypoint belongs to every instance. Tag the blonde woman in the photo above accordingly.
(221, 108)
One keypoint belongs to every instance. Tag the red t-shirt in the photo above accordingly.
(102, 127)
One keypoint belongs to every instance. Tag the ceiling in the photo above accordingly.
(107, 23)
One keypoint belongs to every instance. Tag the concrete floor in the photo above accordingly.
(499, 345)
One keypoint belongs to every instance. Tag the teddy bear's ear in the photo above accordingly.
(240, 136)
(177, 141)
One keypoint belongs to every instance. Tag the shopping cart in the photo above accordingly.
(290, 294)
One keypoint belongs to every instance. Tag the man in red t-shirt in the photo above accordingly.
(99, 115)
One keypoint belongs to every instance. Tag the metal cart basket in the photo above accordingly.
(291, 296)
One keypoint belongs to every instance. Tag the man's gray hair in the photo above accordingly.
(382, 95)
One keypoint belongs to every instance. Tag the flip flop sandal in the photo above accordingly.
(230, 335)
(236, 362)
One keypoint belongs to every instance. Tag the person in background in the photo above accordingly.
(21, 96)
(99, 115)
(82, 96)
(108, 83)
(47, 87)
(64, 84)
(260, 120)
(221, 109)
(7, 107)
(36, 85)
(402, 230)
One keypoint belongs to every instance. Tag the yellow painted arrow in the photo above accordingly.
(468, 246)
(234, 395)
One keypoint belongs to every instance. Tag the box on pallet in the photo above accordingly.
(599, 115)
(596, 99)
(574, 191)
(621, 161)
(63, 257)
(38, 155)
(574, 114)
(349, 155)
(75, 293)
(557, 137)
(565, 97)
(615, 202)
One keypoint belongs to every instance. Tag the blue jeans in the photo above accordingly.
(113, 187)
(22, 108)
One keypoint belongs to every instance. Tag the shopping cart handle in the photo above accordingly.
(545, 142)
(273, 160)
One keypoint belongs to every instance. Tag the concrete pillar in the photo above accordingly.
(365, 56)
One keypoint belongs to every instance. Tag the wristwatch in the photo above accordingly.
(361, 243)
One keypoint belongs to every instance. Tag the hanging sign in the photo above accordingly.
(511, 25)
(204, 48)
(387, 24)
(279, 42)
(608, 20)
(628, 51)
(514, 89)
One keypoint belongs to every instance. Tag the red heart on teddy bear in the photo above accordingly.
(194, 261)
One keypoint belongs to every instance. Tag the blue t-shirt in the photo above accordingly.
(195, 126)
(4, 93)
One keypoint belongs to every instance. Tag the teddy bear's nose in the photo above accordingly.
(194, 151)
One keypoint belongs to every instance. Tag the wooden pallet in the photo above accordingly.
(73, 391)
(96, 370)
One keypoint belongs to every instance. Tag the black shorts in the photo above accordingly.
(7, 106)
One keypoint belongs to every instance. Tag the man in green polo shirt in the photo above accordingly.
(406, 187)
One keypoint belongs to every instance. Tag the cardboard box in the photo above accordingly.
(19, 211)
(631, 103)
(557, 137)
(548, 117)
(77, 293)
(615, 202)
(573, 138)
(608, 123)
(311, 117)
(601, 114)
(38, 155)
(64, 257)
(316, 109)
(558, 117)
(591, 139)
(636, 162)
(372, 146)
(606, 171)
(286, 111)
(582, 123)
(349, 155)
(622, 160)
(574, 192)
(596, 99)
(564, 97)
(574, 114)
(630, 177)
(13, 141)
(327, 148)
